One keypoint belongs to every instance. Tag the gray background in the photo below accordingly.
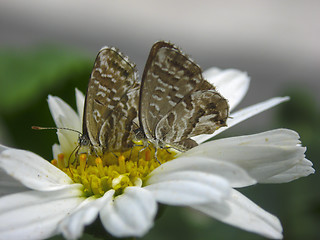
(276, 42)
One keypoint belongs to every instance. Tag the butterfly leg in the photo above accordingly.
(130, 153)
(141, 150)
(155, 155)
(145, 145)
(177, 149)
(114, 155)
(75, 152)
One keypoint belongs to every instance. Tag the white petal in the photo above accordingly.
(80, 104)
(33, 171)
(68, 142)
(63, 114)
(34, 214)
(2, 148)
(301, 169)
(264, 155)
(210, 74)
(242, 115)
(72, 227)
(130, 214)
(56, 149)
(231, 83)
(65, 117)
(9, 185)
(240, 212)
(236, 176)
(187, 188)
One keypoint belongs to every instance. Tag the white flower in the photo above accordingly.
(203, 178)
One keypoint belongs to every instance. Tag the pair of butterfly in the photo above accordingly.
(171, 104)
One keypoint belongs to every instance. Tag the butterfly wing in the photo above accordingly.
(118, 131)
(176, 103)
(201, 112)
(107, 111)
(168, 76)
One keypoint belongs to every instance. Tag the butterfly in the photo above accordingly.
(110, 104)
(176, 103)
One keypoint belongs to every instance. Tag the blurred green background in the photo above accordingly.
(42, 53)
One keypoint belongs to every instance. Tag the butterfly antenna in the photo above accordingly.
(55, 128)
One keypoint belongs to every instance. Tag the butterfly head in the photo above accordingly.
(84, 140)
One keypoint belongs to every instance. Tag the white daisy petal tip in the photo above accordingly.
(53, 104)
(241, 212)
(80, 98)
(63, 114)
(56, 149)
(79, 94)
(33, 171)
(72, 227)
(271, 156)
(233, 84)
(302, 169)
(130, 214)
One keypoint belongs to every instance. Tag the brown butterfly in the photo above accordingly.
(110, 103)
(176, 102)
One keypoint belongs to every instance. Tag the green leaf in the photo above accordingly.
(24, 75)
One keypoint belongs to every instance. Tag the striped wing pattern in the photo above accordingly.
(176, 103)
(111, 101)
(118, 131)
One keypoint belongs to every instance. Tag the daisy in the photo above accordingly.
(41, 199)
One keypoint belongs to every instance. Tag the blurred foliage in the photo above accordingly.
(25, 75)
(26, 79)
(301, 211)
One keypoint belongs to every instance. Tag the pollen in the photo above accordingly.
(112, 170)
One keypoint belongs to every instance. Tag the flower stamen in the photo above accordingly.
(147, 155)
(60, 160)
(83, 162)
(100, 174)
(54, 162)
(121, 160)
(100, 167)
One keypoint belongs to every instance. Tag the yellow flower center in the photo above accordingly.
(113, 170)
